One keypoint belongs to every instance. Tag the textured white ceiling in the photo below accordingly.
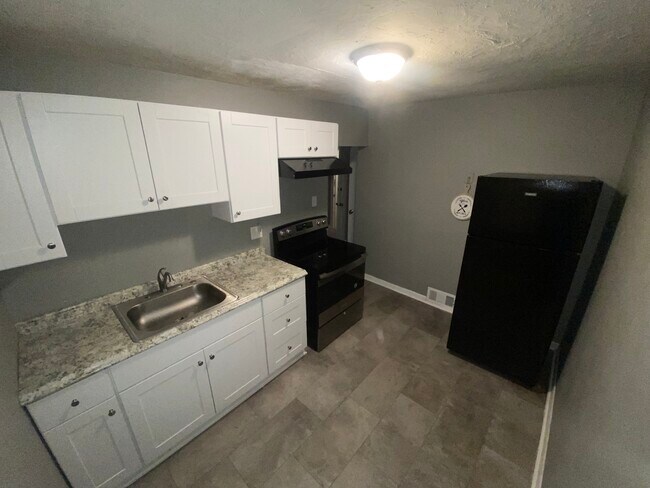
(460, 47)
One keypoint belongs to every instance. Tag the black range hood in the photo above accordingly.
(313, 167)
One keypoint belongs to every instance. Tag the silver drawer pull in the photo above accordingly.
(111, 412)
(288, 320)
(75, 403)
(290, 347)
(287, 296)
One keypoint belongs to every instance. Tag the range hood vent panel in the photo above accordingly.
(313, 167)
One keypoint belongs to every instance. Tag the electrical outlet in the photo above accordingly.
(314, 201)
(256, 232)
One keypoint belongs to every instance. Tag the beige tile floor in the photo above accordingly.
(385, 405)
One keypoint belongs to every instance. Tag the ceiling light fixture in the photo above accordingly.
(381, 62)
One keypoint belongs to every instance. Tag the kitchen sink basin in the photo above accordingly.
(152, 314)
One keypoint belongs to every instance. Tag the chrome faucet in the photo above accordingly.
(164, 278)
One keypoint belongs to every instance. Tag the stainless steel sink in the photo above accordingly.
(152, 314)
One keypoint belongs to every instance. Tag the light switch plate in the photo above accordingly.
(314, 201)
(256, 232)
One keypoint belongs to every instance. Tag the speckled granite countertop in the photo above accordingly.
(60, 348)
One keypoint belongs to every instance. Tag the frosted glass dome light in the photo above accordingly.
(380, 67)
(381, 62)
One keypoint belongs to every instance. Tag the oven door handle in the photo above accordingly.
(342, 270)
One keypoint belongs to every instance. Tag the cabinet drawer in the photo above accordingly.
(161, 356)
(63, 405)
(286, 351)
(281, 323)
(283, 296)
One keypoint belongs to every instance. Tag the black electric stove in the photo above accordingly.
(335, 276)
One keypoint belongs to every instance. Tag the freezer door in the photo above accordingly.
(508, 303)
(546, 213)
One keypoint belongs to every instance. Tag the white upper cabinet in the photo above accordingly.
(92, 154)
(324, 139)
(29, 233)
(307, 138)
(293, 138)
(252, 163)
(186, 154)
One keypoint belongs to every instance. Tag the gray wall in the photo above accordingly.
(420, 155)
(107, 255)
(24, 460)
(111, 254)
(600, 434)
(56, 74)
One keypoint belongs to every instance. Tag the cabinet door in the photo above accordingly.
(186, 153)
(236, 364)
(95, 449)
(92, 154)
(168, 406)
(293, 138)
(252, 161)
(29, 233)
(324, 139)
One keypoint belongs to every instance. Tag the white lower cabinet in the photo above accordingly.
(95, 448)
(164, 396)
(166, 407)
(237, 364)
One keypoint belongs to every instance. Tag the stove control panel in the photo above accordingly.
(302, 227)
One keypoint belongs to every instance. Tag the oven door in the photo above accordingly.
(339, 289)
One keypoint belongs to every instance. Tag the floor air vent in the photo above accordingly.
(441, 298)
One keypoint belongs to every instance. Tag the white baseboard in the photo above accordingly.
(408, 293)
(540, 462)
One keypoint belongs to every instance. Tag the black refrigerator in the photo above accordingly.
(530, 246)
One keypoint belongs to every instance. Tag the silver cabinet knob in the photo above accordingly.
(350, 211)
(238, 213)
(288, 320)
(211, 356)
(200, 363)
(51, 245)
(150, 199)
(75, 403)
(309, 148)
(316, 148)
(111, 412)
(287, 296)
(165, 198)
(290, 347)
